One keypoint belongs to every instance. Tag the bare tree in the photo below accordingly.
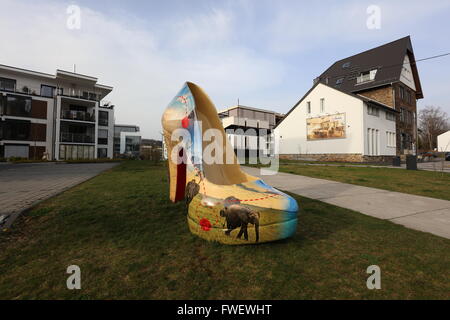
(432, 122)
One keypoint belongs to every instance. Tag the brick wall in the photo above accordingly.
(338, 157)
(383, 95)
(407, 123)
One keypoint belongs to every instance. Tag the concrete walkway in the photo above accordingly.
(415, 212)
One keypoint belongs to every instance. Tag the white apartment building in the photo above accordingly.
(59, 116)
(331, 125)
(250, 129)
(127, 140)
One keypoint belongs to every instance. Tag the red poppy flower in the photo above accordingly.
(205, 224)
(185, 122)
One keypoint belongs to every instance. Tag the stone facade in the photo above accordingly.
(406, 122)
(383, 95)
(338, 157)
(403, 100)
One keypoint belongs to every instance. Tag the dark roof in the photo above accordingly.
(387, 59)
(357, 96)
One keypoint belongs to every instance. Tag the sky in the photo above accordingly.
(264, 53)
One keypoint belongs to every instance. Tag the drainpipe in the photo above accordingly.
(417, 132)
(396, 131)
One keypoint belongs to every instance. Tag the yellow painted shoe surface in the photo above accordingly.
(224, 203)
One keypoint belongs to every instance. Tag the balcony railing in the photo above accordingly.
(79, 94)
(77, 115)
(76, 137)
(103, 122)
(64, 92)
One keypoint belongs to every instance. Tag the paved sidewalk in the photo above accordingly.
(24, 185)
(415, 212)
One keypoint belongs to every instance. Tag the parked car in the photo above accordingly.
(447, 156)
(426, 156)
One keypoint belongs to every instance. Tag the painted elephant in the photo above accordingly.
(239, 216)
(192, 189)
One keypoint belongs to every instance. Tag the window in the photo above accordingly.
(409, 117)
(406, 141)
(102, 153)
(103, 118)
(74, 152)
(308, 107)
(402, 115)
(47, 91)
(408, 96)
(16, 130)
(390, 116)
(346, 65)
(18, 106)
(339, 81)
(92, 96)
(390, 139)
(401, 93)
(7, 84)
(2, 105)
(373, 111)
(102, 136)
(366, 76)
(372, 142)
(322, 105)
(132, 143)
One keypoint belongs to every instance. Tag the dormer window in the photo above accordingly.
(366, 76)
(339, 81)
(346, 65)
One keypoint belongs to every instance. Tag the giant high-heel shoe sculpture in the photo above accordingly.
(224, 203)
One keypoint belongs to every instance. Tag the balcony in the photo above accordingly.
(77, 115)
(52, 92)
(366, 76)
(76, 137)
(245, 122)
(78, 94)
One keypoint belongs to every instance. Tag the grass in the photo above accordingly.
(424, 183)
(131, 242)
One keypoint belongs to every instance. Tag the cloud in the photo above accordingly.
(211, 29)
(265, 53)
(146, 65)
(297, 28)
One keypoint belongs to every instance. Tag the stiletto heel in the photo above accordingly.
(177, 174)
(218, 194)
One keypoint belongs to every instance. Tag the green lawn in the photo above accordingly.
(423, 183)
(131, 242)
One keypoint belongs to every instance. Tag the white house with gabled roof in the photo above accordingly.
(443, 142)
(331, 125)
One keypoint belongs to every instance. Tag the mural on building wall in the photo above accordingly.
(326, 127)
